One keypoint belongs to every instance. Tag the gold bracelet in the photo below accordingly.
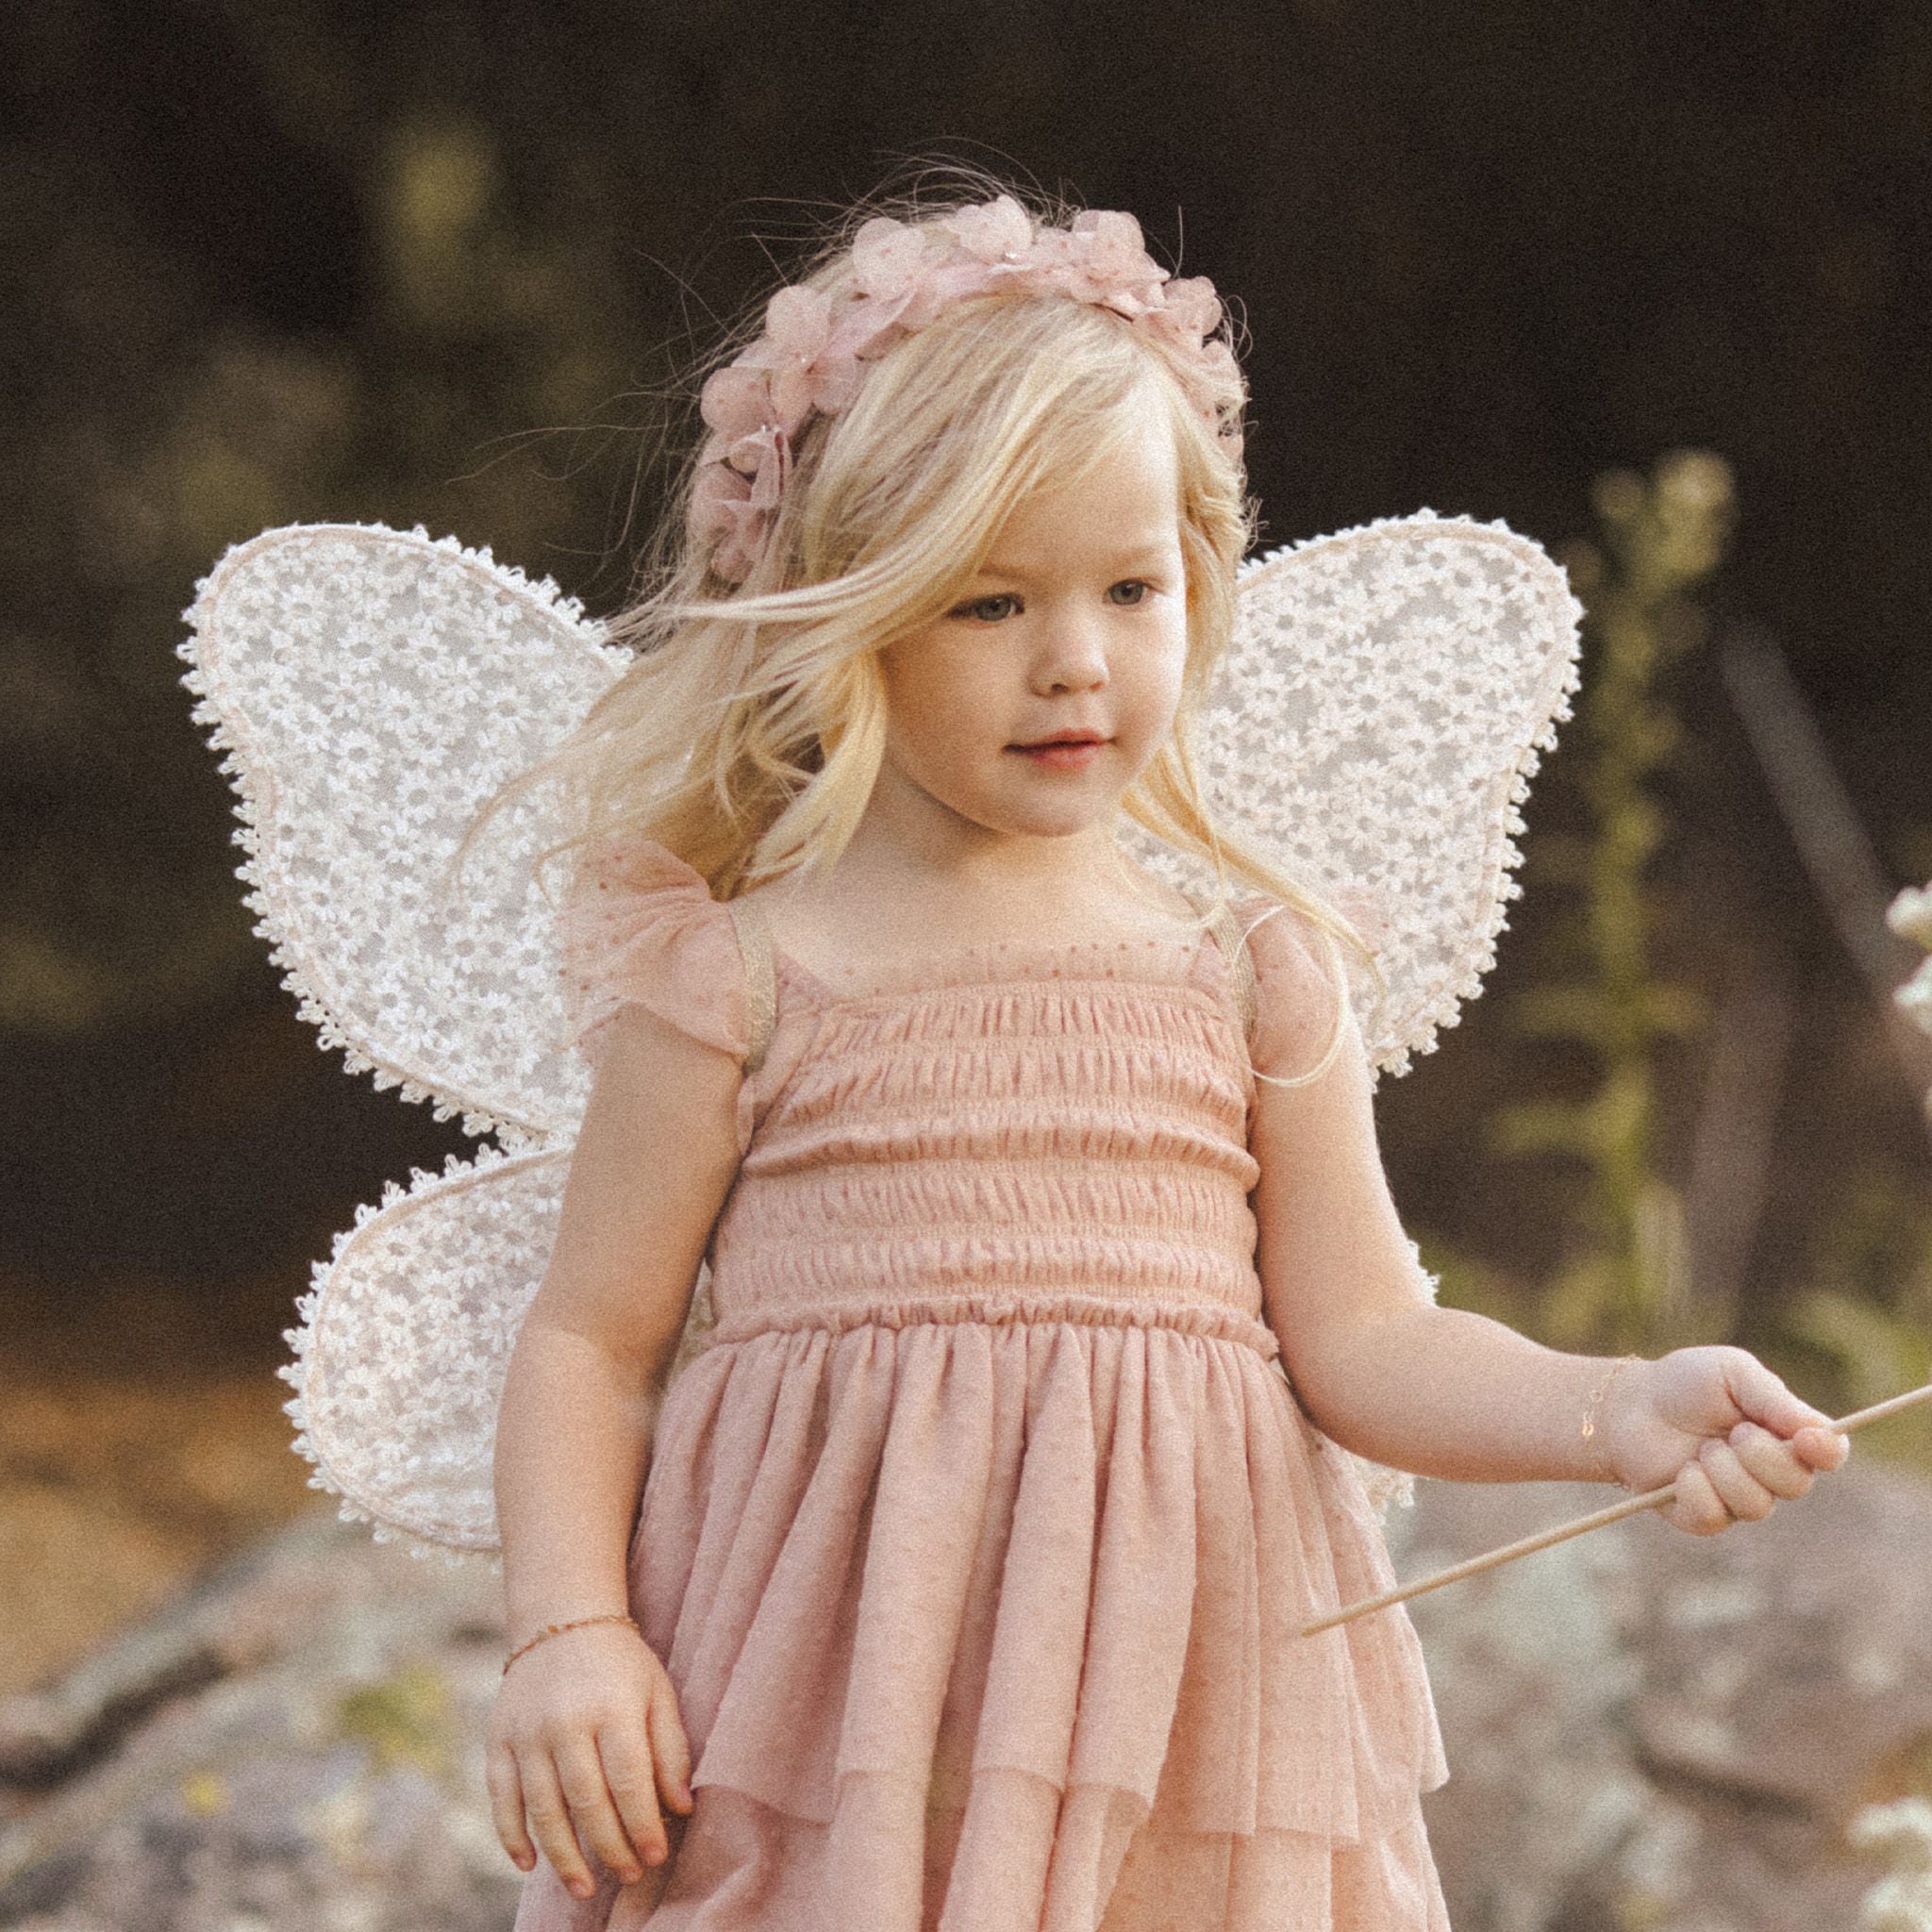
(1588, 1429)
(552, 1630)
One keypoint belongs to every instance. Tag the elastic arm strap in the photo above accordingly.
(760, 980)
(1228, 934)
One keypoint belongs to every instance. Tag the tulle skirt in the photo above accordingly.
(988, 1619)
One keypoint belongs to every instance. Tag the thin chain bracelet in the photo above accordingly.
(552, 1630)
(1588, 1430)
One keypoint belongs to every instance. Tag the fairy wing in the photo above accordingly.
(1375, 727)
(372, 688)
(404, 1337)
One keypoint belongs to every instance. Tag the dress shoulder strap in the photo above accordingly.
(1228, 937)
(760, 977)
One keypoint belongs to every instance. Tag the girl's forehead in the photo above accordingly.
(1106, 549)
(1126, 505)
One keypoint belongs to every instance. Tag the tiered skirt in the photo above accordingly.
(985, 1615)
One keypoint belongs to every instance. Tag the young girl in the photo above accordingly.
(1053, 1264)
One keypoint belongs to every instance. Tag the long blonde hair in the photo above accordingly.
(748, 730)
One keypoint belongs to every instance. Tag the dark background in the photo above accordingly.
(444, 265)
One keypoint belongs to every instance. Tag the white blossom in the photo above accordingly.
(1902, 1831)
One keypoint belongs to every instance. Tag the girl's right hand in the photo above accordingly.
(1721, 1425)
(586, 1736)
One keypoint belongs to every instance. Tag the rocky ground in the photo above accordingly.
(1653, 1732)
(1647, 1732)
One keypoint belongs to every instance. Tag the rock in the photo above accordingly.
(1647, 1728)
(295, 1745)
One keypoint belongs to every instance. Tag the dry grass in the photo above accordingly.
(119, 1479)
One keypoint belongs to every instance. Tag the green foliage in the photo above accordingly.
(1869, 1321)
(1624, 1285)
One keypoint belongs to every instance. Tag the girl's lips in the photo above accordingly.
(1063, 756)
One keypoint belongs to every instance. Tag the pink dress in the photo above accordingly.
(978, 1540)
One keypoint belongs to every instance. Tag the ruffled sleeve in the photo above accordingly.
(1295, 981)
(642, 927)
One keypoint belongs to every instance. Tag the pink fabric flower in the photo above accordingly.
(765, 456)
(1108, 265)
(811, 358)
(1116, 247)
(887, 257)
(736, 400)
(951, 281)
(807, 369)
(1219, 366)
(722, 515)
(868, 326)
(1187, 311)
(995, 230)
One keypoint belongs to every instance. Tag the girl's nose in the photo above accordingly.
(1075, 657)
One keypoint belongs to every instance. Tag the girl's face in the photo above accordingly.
(1078, 624)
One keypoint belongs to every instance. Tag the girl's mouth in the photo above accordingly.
(1067, 755)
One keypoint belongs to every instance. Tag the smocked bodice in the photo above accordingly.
(1063, 1125)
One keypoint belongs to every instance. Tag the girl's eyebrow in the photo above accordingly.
(1148, 549)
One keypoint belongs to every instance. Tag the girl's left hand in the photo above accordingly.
(1723, 1427)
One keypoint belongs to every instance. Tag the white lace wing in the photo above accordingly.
(372, 688)
(405, 1338)
(1375, 729)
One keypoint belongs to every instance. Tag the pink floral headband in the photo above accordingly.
(808, 360)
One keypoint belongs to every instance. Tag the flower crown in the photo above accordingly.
(809, 359)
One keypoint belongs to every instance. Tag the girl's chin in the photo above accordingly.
(1037, 817)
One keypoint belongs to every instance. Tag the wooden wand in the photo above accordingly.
(1653, 1499)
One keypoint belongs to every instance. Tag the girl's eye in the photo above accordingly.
(992, 609)
(978, 607)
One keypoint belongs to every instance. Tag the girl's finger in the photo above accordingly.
(626, 1754)
(1776, 1463)
(670, 1748)
(1821, 1448)
(550, 1823)
(580, 1770)
(506, 1787)
(1699, 1509)
(1743, 1494)
(1764, 1399)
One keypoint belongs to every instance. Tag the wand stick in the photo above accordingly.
(1653, 1499)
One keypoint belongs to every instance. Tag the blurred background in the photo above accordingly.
(1649, 284)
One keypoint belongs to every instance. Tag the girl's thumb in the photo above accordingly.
(1774, 1406)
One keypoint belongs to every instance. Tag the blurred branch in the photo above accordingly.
(1737, 1120)
(1837, 853)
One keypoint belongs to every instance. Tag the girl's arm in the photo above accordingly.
(586, 1737)
(1445, 1392)
(1376, 1364)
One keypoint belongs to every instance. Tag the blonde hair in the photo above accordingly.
(747, 732)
